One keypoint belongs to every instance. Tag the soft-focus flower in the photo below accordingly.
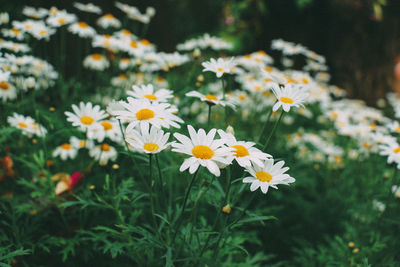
(96, 62)
(89, 7)
(108, 21)
(85, 116)
(103, 153)
(148, 92)
(211, 99)
(290, 95)
(219, 66)
(82, 29)
(65, 151)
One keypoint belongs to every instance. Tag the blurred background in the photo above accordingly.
(359, 38)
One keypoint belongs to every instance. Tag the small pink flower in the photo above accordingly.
(75, 179)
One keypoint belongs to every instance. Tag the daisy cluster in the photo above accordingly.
(204, 42)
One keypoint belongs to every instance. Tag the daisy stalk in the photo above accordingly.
(273, 130)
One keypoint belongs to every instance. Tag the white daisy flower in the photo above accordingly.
(108, 21)
(65, 151)
(82, 29)
(7, 91)
(394, 127)
(28, 125)
(103, 129)
(103, 153)
(80, 143)
(91, 8)
(203, 151)
(148, 92)
(244, 152)
(96, 62)
(142, 112)
(13, 33)
(291, 95)
(391, 150)
(61, 18)
(85, 116)
(219, 66)
(269, 175)
(152, 142)
(211, 99)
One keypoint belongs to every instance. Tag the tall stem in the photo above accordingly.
(261, 138)
(160, 176)
(273, 130)
(223, 98)
(209, 116)
(179, 222)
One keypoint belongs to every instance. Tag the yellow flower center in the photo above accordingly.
(105, 147)
(144, 114)
(397, 129)
(257, 88)
(242, 97)
(150, 147)
(286, 100)
(4, 85)
(82, 24)
(305, 80)
(106, 125)
(122, 76)
(15, 31)
(263, 176)
(126, 32)
(396, 150)
(269, 69)
(211, 97)
(87, 120)
(240, 151)
(66, 146)
(22, 125)
(97, 56)
(220, 69)
(160, 79)
(261, 53)
(43, 32)
(61, 21)
(202, 152)
(82, 143)
(150, 97)
(145, 42)
(109, 16)
(334, 115)
(134, 44)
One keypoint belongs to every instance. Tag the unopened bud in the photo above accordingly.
(226, 209)
(230, 130)
(196, 53)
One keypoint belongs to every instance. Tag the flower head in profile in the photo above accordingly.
(65, 151)
(142, 112)
(96, 62)
(290, 95)
(219, 66)
(27, 125)
(148, 92)
(82, 29)
(268, 175)
(203, 150)
(108, 21)
(211, 99)
(150, 142)
(85, 116)
(90, 8)
(244, 152)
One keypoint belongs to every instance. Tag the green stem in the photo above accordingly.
(261, 138)
(179, 222)
(151, 191)
(273, 130)
(223, 98)
(209, 116)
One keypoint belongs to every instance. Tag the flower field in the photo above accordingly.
(114, 153)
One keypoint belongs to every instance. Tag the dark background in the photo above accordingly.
(360, 38)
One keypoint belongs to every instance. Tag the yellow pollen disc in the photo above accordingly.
(66, 146)
(82, 143)
(150, 97)
(266, 93)
(397, 129)
(61, 21)
(122, 76)
(220, 69)
(150, 147)
(145, 42)
(22, 125)
(290, 80)
(105, 147)
(106, 125)
(82, 24)
(125, 59)
(28, 27)
(262, 53)
(257, 88)
(4, 85)
(87, 120)
(242, 97)
(109, 16)
(211, 97)
(334, 115)
(15, 31)
(372, 125)
(263, 176)
(247, 56)
(240, 151)
(126, 32)
(144, 114)
(338, 159)
(97, 56)
(43, 32)
(160, 79)
(305, 80)
(396, 150)
(269, 69)
(134, 44)
(286, 100)
(202, 152)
